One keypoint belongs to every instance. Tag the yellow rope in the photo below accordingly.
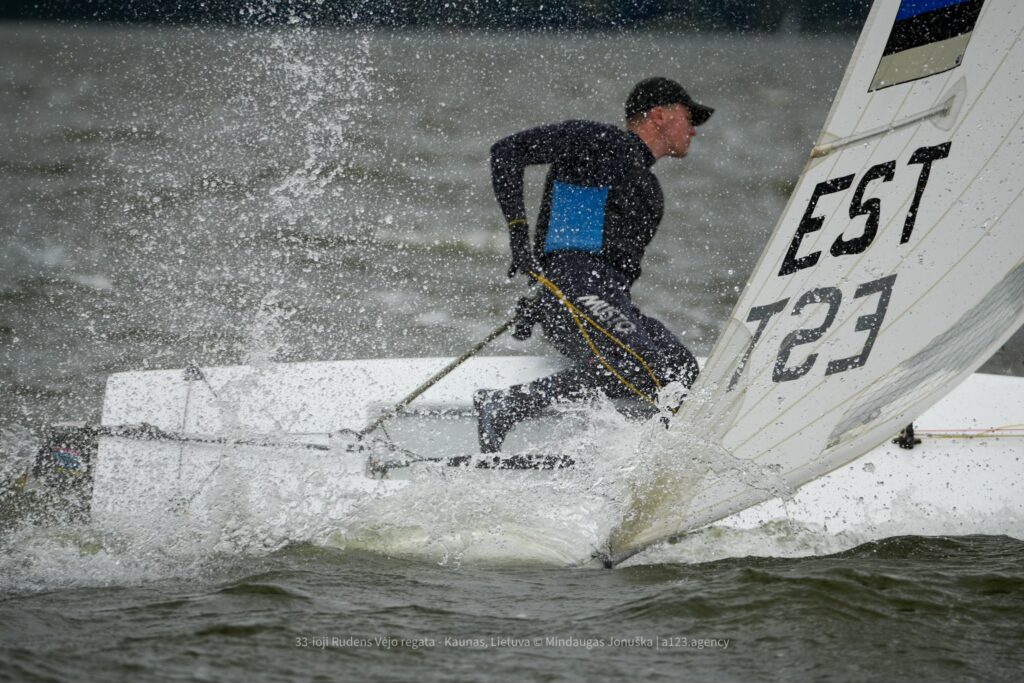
(578, 317)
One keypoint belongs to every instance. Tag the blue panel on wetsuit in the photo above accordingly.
(577, 218)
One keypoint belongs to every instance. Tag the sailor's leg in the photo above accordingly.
(675, 362)
(631, 355)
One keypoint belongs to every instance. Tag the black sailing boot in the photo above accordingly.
(497, 412)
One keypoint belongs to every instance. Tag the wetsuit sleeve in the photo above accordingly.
(510, 156)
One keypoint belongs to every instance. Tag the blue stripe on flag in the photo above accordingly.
(912, 8)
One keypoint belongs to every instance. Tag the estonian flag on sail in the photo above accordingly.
(928, 37)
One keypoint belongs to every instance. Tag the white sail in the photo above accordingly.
(896, 269)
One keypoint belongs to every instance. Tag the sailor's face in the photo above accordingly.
(677, 129)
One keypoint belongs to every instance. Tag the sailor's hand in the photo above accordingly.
(522, 255)
(522, 263)
(527, 315)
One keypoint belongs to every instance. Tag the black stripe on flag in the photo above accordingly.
(931, 27)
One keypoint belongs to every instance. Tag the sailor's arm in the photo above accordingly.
(509, 158)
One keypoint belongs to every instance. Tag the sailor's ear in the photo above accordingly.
(657, 115)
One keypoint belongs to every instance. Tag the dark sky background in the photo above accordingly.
(737, 15)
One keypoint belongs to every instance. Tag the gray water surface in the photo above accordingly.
(215, 196)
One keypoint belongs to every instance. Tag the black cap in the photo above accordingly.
(659, 92)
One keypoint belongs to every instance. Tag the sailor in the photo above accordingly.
(601, 208)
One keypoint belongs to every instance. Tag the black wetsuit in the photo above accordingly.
(601, 208)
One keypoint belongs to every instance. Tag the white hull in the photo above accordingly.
(962, 478)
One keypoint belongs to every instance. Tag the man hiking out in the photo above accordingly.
(601, 208)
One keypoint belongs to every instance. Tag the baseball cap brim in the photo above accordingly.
(698, 112)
